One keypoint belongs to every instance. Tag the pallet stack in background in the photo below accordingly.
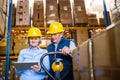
(115, 10)
(38, 16)
(65, 12)
(2, 50)
(80, 13)
(13, 15)
(22, 13)
(19, 45)
(51, 11)
(92, 20)
(3, 47)
(3, 16)
(101, 21)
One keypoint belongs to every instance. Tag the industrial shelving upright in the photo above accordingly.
(8, 39)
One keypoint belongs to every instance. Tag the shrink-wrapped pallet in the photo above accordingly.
(38, 14)
(22, 13)
(101, 21)
(51, 11)
(65, 12)
(80, 15)
(13, 15)
(92, 20)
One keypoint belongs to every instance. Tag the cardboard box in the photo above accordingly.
(92, 22)
(51, 11)
(38, 14)
(81, 18)
(22, 13)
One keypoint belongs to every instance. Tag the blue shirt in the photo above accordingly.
(32, 55)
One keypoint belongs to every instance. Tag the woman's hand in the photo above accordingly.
(36, 68)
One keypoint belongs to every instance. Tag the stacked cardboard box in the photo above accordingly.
(38, 14)
(4, 5)
(65, 12)
(13, 15)
(82, 35)
(101, 21)
(51, 11)
(2, 25)
(106, 54)
(1, 3)
(22, 13)
(80, 13)
(102, 58)
(83, 61)
(3, 50)
(2, 16)
(20, 44)
(3, 47)
(92, 20)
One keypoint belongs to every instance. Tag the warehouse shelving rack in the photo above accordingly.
(15, 28)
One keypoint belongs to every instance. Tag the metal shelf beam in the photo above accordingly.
(66, 28)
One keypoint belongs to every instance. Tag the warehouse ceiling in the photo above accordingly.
(96, 5)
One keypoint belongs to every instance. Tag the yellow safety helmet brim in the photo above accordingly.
(55, 27)
(34, 32)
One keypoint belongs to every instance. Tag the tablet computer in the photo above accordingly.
(24, 65)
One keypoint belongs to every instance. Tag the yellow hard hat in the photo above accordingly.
(55, 27)
(34, 32)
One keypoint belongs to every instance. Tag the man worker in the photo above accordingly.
(65, 46)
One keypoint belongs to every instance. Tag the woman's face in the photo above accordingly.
(34, 41)
(56, 37)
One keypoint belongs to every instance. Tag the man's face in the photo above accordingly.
(34, 41)
(56, 37)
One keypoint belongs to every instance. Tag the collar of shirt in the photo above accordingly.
(31, 48)
(34, 51)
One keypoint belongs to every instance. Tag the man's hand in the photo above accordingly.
(65, 50)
